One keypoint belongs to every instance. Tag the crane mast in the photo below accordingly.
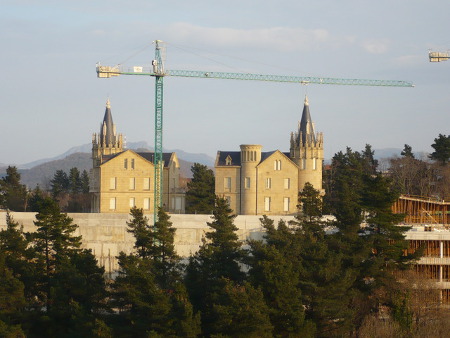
(158, 162)
(157, 70)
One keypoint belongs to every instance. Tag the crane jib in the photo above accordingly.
(260, 77)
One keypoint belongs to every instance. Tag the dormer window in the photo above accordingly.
(228, 160)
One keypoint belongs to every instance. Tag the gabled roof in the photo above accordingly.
(149, 156)
(236, 157)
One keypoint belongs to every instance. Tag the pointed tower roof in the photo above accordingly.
(306, 127)
(107, 130)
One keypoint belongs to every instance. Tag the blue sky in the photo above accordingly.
(51, 99)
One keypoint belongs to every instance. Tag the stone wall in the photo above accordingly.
(106, 234)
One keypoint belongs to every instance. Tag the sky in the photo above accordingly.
(51, 99)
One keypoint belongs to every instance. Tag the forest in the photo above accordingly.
(349, 277)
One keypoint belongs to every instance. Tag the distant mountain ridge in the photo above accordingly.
(141, 146)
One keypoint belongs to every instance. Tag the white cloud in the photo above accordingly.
(376, 46)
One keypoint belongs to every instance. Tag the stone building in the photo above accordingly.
(256, 182)
(121, 179)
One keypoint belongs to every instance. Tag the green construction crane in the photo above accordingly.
(157, 70)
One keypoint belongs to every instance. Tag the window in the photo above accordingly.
(112, 183)
(268, 183)
(303, 166)
(112, 203)
(146, 203)
(286, 202)
(228, 160)
(287, 183)
(227, 182)
(146, 183)
(247, 183)
(178, 201)
(266, 203)
(277, 165)
(132, 163)
(132, 183)
(314, 164)
(125, 163)
(132, 202)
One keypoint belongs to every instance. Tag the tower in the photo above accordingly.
(250, 158)
(107, 142)
(307, 151)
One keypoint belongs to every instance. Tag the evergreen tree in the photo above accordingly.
(200, 195)
(218, 258)
(165, 258)
(369, 253)
(370, 163)
(142, 232)
(407, 151)
(240, 311)
(59, 184)
(144, 307)
(36, 198)
(85, 182)
(75, 184)
(275, 269)
(71, 283)
(148, 290)
(13, 194)
(441, 148)
(20, 257)
(12, 302)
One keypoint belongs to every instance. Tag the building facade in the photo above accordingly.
(256, 182)
(122, 179)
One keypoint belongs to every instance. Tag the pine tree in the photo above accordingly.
(441, 148)
(142, 232)
(12, 302)
(407, 151)
(59, 184)
(36, 198)
(13, 194)
(275, 269)
(20, 257)
(218, 258)
(149, 289)
(165, 258)
(368, 239)
(200, 196)
(85, 182)
(74, 181)
(72, 285)
(370, 163)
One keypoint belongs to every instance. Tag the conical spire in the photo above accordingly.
(107, 130)
(306, 131)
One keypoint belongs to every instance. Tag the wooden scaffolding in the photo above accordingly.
(422, 210)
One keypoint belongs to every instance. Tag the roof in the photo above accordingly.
(306, 128)
(107, 131)
(149, 156)
(236, 157)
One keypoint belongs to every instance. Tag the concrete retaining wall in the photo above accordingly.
(106, 234)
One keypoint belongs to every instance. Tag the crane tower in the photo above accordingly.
(158, 71)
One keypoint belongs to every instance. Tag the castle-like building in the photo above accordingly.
(122, 179)
(256, 182)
